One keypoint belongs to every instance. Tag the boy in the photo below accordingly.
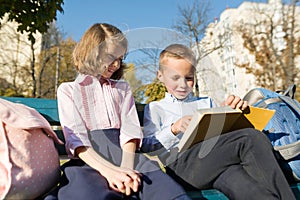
(241, 164)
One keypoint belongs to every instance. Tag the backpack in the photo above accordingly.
(283, 129)
(29, 162)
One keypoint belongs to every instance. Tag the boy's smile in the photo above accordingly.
(178, 76)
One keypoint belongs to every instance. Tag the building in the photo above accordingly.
(15, 52)
(219, 72)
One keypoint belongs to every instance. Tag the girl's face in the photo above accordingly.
(112, 60)
(178, 77)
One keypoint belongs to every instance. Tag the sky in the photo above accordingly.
(146, 23)
(79, 15)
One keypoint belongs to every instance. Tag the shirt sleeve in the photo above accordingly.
(73, 126)
(155, 131)
(130, 124)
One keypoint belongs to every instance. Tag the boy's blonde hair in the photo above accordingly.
(177, 51)
(87, 55)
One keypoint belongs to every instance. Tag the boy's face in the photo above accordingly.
(178, 76)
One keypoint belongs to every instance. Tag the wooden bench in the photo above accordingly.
(48, 108)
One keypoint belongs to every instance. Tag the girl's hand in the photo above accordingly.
(181, 124)
(236, 102)
(123, 180)
(119, 179)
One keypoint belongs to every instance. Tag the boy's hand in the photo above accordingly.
(181, 124)
(236, 102)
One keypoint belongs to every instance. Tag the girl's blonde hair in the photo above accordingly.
(87, 55)
(177, 51)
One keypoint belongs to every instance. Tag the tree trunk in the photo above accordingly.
(32, 66)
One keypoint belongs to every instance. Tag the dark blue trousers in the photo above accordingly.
(79, 181)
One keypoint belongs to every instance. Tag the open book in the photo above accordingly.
(207, 123)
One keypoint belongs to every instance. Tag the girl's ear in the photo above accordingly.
(159, 76)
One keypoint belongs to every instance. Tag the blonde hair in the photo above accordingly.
(87, 53)
(177, 51)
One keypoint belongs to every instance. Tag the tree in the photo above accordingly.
(55, 64)
(15, 52)
(52, 66)
(149, 92)
(272, 38)
(135, 84)
(6, 88)
(188, 31)
(193, 23)
(31, 15)
(155, 91)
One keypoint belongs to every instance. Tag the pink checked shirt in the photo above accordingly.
(85, 105)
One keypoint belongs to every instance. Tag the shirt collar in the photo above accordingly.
(189, 98)
(85, 80)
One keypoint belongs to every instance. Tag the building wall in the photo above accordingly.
(217, 73)
(15, 50)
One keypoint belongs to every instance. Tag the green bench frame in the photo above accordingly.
(48, 108)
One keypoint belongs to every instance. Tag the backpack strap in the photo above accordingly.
(253, 96)
(290, 91)
(291, 103)
(289, 151)
(286, 97)
(266, 102)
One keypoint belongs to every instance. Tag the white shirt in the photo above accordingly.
(160, 115)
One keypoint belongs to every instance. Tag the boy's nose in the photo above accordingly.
(183, 83)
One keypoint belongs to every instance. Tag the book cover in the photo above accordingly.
(211, 122)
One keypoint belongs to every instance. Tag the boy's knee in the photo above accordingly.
(259, 136)
(257, 139)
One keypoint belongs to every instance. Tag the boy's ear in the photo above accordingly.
(159, 75)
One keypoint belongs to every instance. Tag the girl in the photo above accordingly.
(101, 127)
